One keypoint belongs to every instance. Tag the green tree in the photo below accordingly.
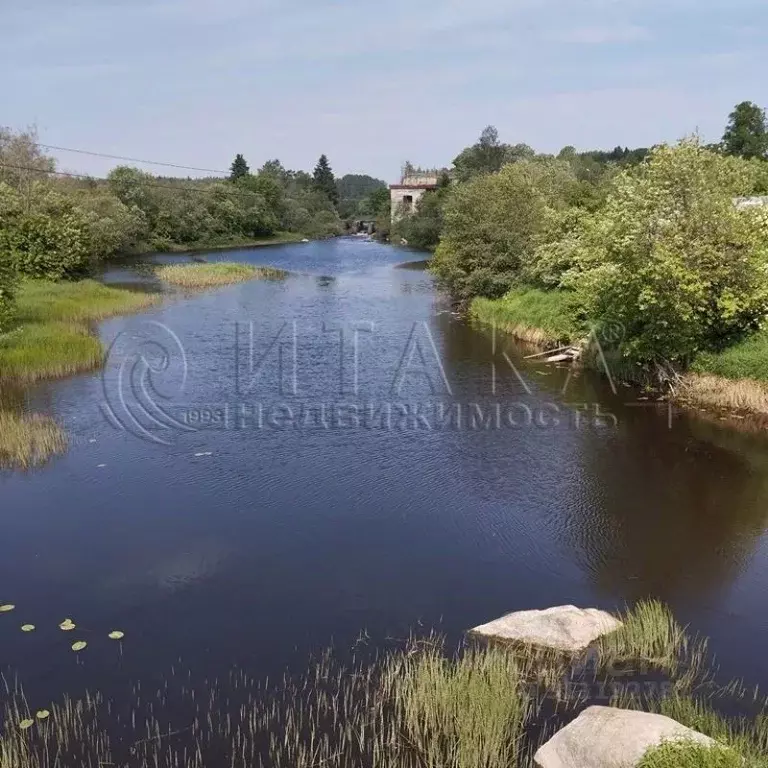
(670, 260)
(493, 225)
(43, 234)
(324, 180)
(239, 168)
(7, 287)
(375, 203)
(114, 227)
(746, 134)
(488, 155)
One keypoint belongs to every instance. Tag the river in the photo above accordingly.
(336, 452)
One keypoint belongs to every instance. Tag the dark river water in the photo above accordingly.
(265, 469)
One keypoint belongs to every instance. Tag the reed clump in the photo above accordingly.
(209, 275)
(29, 440)
(713, 391)
(651, 636)
(418, 705)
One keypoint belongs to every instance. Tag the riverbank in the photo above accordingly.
(231, 244)
(733, 380)
(52, 339)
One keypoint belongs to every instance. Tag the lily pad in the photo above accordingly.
(28, 628)
(67, 625)
(43, 714)
(24, 724)
(79, 645)
(6, 608)
(116, 635)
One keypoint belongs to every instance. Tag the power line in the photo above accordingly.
(146, 182)
(128, 159)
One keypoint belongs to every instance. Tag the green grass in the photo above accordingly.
(209, 275)
(746, 360)
(691, 755)
(42, 301)
(464, 712)
(52, 338)
(531, 314)
(651, 636)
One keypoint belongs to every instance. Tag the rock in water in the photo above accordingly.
(604, 737)
(565, 628)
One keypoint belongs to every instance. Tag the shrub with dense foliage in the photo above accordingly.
(43, 233)
(494, 223)
(670, 258)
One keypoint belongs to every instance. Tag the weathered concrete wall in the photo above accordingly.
(399, 197)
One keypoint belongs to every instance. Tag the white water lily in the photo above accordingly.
(6, 608)
(24, 724)
(28, 628)
(67, 625)
(43, 714)
(79, 645)
(116, 635)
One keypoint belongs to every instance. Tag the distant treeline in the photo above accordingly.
(646, 241)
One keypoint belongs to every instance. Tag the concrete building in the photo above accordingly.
(409, 191)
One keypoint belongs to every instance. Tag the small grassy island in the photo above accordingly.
(199, 275)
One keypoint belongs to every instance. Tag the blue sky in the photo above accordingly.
(372, 83)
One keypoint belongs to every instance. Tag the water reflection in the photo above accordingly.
(286, 537)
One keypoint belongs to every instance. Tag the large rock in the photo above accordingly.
(565, 628)
(603, 737)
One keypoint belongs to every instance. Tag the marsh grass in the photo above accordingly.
(417, 705)
(53, 337)
(713, 391)
(544, 318)
(43, 301)
(652, 637)
(747, 737)
(209, 275)
(28, 440)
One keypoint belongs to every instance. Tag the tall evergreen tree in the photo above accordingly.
(324, 180)
(239, 168)
(747, 133)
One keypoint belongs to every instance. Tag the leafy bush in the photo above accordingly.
(493, 224)
(670, 259)
(44, 235)
(7, 290)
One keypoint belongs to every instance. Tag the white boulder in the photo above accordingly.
(604, 737)
(565, 628)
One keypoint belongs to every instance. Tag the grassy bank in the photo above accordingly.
(279, 238)
(200, 275)
(531, 315)
(735, 379)
(53, 338)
